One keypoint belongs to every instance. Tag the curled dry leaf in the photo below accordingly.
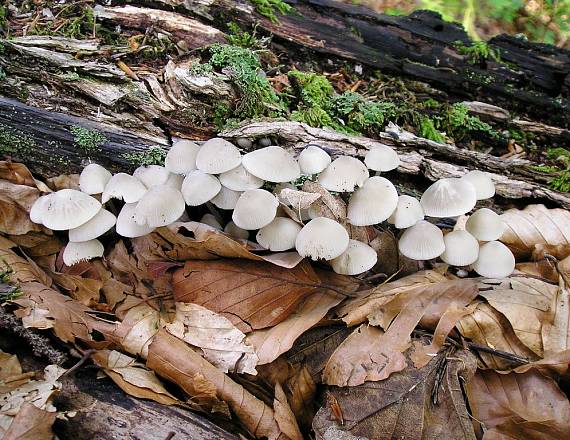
(16, 173)
(284, 416)
(15, 204)
(31, 423)
(299, 199)
(23, 269)
(137, 329)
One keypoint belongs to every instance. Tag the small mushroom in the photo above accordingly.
(97, 226)
(235, 231)
(160, 206)
(211, 220)
(448, 197)
(461, 248)
(93, 179)
(181, 158)
(485, 225)
(175, 181)
(407, 213)
(66, 209)
(126, 226)
(217, 156)
(343, 174)
(255, 209)
(273, 164)
(381, 158)
(38, 208)
(357, 259)
(373, 203)
(322, 238)
(82, 251)
(423, 241)
(484, 186)
(152, 175)
(244, 143)
(199, 188)
(313, 160)
(279, 235)
(124, 187)
(495, 260)
(264, 142)
(226, 198)
(239, 179)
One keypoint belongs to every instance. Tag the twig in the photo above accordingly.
(86, 355)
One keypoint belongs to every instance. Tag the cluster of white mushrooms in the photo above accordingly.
(217, 172)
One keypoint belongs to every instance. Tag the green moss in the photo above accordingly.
(12, 292)
(478, 52)
(311, 88)
(427, 130)
(15, 143)
(240, 38)
(152, 156)
(461, 123)
(87, 140)
(559, 169)
(268, 8)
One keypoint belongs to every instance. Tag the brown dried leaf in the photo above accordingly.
(284, 416)
(37, 244)
(15, 204)
(16, 173)
(24, 269)
(137, 329)
(556, 331)
(9, 365)
(298, 199)
(31, 423)
(63, 181)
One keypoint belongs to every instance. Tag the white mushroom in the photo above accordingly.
(244, 143)
(152, 175)
(81, 251)
(485, 225)
(126, 226)
(279, 235)
(211, 220)
(255, 209)
(373, 203)
(226, 198)
(217, 156)
(181, 158)
(461, 248)
(38, 209)
(273, 164)
(448, 197)
(175, 181)
(343, 174)
(495, 260)
(407, 213)
(239, 179)
(124, 187)
(235, 231)
(322, 238)
(358, 258)
(160, 206)
(313, 160)
(199, 187)
(67, 209)
(93, 179)
(484, 186)
(423, 241)
(97, 226)
(382, 158)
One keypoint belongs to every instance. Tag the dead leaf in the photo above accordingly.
(16, 173)
(15, 204)
(519, 406)
(137, 329)
(37, 244)
(390, 260)
(64, 181)
(298, 199)
(31, 423)
(9, 365)
(23, 269)
(556, 331)
(284, 416)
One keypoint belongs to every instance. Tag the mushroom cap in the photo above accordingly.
(38, 209)
(97, 226)
(343, 174)
(423, 241)
(373, 203)
(235, 231)
(313, 160)
(495, 260)
(226, 198)
(273, 164)
(126, 226)
(175, 181)
(81, 251)
(356, 259)
(181, 158)
(152, 175)
(211, 220)
(244, 143)
(124, 187)
(279, 235)
(381, 158)
(239, 179)
(160, 206)
(322, 238)
(485, 225)
(199, 187)
(93, 179)
(217, 156)
(484, 186)
(255, 209)
(407, 213)
(67, 209)
(448, 197)
(461, 248)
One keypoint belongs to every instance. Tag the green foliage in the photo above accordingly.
(478, 52)
(14, 142)
(12, 292)
(311, 88)
(461, 123)
(152, 156)
(360, 115)
(267, 8)
(240, 38)
(427, 130)
(313, 116)
(560, 169)
(87, 140)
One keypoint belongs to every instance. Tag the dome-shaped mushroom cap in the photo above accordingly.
(407, 213)
(181, 158)
(124, 187)
(423, 241)
(373, 203)
(160, 206)
(255, 209)
(199, 187)
(244, 143)
(495, 260)
(211, 220)
(38, 209)
(461, 248)
(343, 174)
(226, 198)
(126, 226)
(313, 160)
(239, 179)
(485, 225)
(273, 164)
(175, 181)
(357, 259)
(382, 158)
(484, 186)
(235, 231)
(97, 226)
(322, 238)
(68, 209)
(448, 198)
(81, 251)
(93, 179)
(217, 156)
(152, 175)
(279, 235)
